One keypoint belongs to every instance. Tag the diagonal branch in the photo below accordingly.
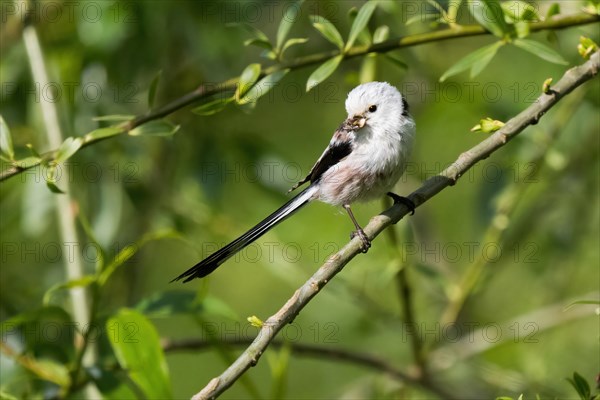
(210, 89)
(573, 78)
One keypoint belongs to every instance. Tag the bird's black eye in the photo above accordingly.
(372, 108)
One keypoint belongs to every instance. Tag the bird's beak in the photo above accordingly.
(358, 121)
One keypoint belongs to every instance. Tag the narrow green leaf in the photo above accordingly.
(360, 22)
(262, 87)
(114, 117)
(103, 133)
(258, 43)
(381, 34)
(28, 162)
(422, 18)
(53, 188)
(490, 15)
(485, 59)
(6, 144)
(292, 42)
(268, 54)
(81, 282)
(476, 60)
(327, 29)
(581, 386)
(553, 10)
(67, 149)
(47, 370)
(323, 72)
(160, 127)
(152, 89)
(247, 79)
(257, 33)
(129, 251)
(517, 10)
(212, 107)
(292, 12)
(541, 50)
(137, 348)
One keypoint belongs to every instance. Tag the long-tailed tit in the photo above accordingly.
(364, 160)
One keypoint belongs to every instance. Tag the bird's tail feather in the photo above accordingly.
(213, 261)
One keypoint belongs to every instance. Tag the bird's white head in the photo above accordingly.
(377, 105)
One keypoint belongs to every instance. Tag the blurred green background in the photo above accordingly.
(526, 220)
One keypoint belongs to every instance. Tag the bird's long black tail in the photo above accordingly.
(213, 261)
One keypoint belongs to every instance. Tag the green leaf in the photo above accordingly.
(160, 127)
(490, 15)
(553, 10)
(422, 18)
(541, 50)
(114, 118)
(517, 11)
(130, 250)
(53, 188)
(262, 87)
(28, 162)
(381, 34)
(81, 282)
(247, 79)
(292, 12)
(103, 133)
(476, 60)
(67, 149)
(360, 22)
(137, 348)
(327, 29)
(212, 107)
(168, 303)
(152, 89)
(291, 42)
(323, 72)
(578, 302)
(257, 33)
(258, 43)
(6, 144)
(581, 386)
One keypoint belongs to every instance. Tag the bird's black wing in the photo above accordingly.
(340, 146)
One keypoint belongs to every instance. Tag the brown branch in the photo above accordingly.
(206, 90)
(573, 78)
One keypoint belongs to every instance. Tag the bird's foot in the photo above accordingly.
(403, 200)
(366, 243)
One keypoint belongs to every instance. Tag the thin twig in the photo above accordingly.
(573, 78)
(65, 210)
(206, 90)
(405, 297)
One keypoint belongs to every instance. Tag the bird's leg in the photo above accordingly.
(403, 200)
(366, 243)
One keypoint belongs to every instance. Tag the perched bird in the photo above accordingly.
(363, 161)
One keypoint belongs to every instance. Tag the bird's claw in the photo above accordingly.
(366, 243)
(403, 200)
